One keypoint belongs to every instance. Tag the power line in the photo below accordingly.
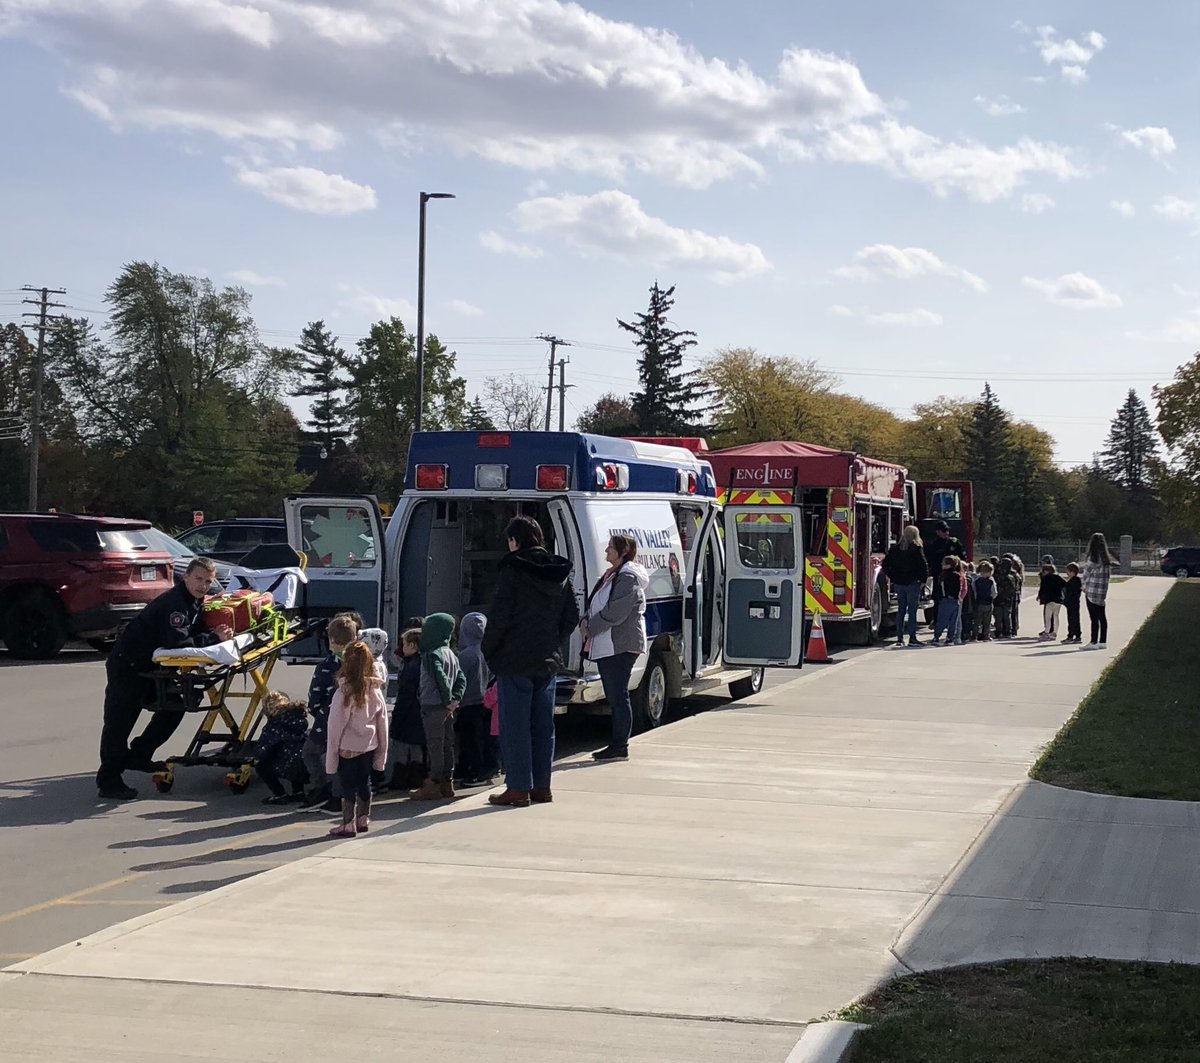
(35, 408)
(555, 343)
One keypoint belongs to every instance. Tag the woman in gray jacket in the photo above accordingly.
(615, 630)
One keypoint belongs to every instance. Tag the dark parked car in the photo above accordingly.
(181, 557)
(1182, 561)
(64, 576)
(231, 540)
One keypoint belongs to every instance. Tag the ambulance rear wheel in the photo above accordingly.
(650, 698)
(748, 687)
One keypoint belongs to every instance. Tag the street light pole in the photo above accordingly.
(425, 198)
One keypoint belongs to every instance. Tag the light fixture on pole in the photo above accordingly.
(425, 198)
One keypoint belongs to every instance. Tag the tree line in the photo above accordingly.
(175, 404)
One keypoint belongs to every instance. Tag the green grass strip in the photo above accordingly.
(1137, 733)
(1036, 1011)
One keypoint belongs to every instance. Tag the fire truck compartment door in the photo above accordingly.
(764, 585)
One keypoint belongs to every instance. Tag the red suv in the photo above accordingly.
(64, 576)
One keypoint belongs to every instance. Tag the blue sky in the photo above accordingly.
(919, 196)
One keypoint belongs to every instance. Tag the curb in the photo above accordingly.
(826, 1042)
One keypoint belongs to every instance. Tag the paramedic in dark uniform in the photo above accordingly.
(173, 619)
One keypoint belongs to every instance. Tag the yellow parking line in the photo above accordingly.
(199, 858)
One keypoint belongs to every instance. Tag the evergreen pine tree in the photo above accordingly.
(670, 400)
(476, 418)
(322, 379)
(1131, 448)
(987, 441)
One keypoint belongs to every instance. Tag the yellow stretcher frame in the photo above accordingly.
(199, 678)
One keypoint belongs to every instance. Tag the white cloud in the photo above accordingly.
(536, 84)
(1177, 209)
(838, 310)
(251, 279)
(907, 263)
(1071, 56)
(464, 309)
(909, 318)
(1075, 290)
(1184, 293)
(307, 189)
(1000, 107)
(501, 245)
(613, 223)
(984, 174)
(1123, 207)
(1036, 203)
(1155, 141)
(378, 306)
(1184, 330)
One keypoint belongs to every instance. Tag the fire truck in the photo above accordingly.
(853, 508)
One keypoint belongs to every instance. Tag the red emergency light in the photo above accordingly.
(553, 477)
(687, 483)
(612, 476)
(495, 439)
(432, 477)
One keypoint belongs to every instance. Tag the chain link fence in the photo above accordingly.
(1147, 557)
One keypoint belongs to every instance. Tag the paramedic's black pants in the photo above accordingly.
(125, 696)
(1099, 622)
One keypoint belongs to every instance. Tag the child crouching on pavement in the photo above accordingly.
(472, 721)
(442, 686)
(339, 633)
(357, 737)
(985, 597)
(949, 605)
(407, 730)
(279, 751)
(1072, 592)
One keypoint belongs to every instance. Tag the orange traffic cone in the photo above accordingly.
(817, 650)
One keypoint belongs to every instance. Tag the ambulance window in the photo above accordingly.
(337, 536)
(688, 519)
(766, 541)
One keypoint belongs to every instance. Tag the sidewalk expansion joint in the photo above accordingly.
(574, 1009)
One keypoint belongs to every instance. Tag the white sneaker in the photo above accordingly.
(1089, 646)
(1103, 646)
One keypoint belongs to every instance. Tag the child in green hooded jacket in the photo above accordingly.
(442, 686)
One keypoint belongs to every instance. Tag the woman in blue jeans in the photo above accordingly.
(907, 569)
(534, 610)
(615, 633)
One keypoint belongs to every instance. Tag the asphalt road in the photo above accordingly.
(71, 864)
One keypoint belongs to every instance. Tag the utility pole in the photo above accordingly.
(562, 393)
(555, 343)
(35, 406)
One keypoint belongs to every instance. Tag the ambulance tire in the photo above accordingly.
(748, 687)
(650, 699)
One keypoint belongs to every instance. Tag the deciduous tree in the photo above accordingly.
(610, 415)
(515, 402)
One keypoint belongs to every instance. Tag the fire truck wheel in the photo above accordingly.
(875, 630)
(650, 698)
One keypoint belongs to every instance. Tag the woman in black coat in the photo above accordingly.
(533, 612)
(906, 567)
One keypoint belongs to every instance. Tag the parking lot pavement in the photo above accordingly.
(71, 864)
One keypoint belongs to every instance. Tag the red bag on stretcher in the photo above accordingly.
(239, 610)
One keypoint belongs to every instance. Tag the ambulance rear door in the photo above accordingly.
(342, 539)
(764, 585)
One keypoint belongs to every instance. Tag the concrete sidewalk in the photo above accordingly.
(747, 871)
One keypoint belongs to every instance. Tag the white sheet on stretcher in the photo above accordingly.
(283, 584)
(227, 652)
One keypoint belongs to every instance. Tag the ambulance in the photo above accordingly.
(725, 598)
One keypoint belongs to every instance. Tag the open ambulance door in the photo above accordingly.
(703, 593)
(764, 585)
(342, 538)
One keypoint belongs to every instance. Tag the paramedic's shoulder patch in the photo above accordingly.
(178, 619)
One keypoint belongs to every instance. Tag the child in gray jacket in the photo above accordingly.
(441, 690)
(472, 721)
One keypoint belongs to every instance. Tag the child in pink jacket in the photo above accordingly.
(357, 740)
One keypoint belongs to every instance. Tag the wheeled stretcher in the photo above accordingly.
(227, 683)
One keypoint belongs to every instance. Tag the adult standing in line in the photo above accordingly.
(615, 630)
(175, 618)
(533, 611)
(906, 567)
(1096, 573)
